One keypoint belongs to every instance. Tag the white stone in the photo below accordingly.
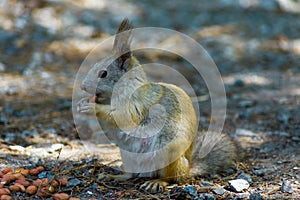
(239, 185)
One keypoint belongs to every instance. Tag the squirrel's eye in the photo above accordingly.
(102, 74)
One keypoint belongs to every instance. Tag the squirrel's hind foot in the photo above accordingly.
(154, 186)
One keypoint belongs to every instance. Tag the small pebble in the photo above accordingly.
(255, 196)
(17, 148)
(244, 132)
(246, 104)
(243, 115)
(191, 190)
(286, 186)
(284, 117)
(283, 101)
(89, 192)
(45, 174)
(229, 171)
(34, 160)
(279, 133)
(73, 182)
(246, 177)
(2, 67)
(238, 185)
(277, 196)
(49, 131)
(296, 139)
(3, 118)
(260, 172)
(241, 196)
(205, 184)
(205, 196)
(239, 83)
(219, 191)
(94, 187)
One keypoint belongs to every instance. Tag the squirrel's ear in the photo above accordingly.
(122, 41)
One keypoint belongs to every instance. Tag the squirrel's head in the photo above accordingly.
(106, 73)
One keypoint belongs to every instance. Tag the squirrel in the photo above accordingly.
(154, 124)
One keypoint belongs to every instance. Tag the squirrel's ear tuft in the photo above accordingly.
(122, 41)
(124, 26)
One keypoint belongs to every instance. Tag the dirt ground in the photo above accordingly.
(255, 44)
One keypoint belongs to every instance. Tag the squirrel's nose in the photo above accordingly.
(87, 87)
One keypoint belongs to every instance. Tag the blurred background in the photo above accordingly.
(254, 43)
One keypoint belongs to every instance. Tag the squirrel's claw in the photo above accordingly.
(118, 177)
(154, 186)
(85, 107)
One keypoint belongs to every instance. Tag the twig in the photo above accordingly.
(274, 190)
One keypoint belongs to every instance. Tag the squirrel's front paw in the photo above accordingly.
(154, 186)
(85, 106)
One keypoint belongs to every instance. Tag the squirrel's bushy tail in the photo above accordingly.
(213, 152)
